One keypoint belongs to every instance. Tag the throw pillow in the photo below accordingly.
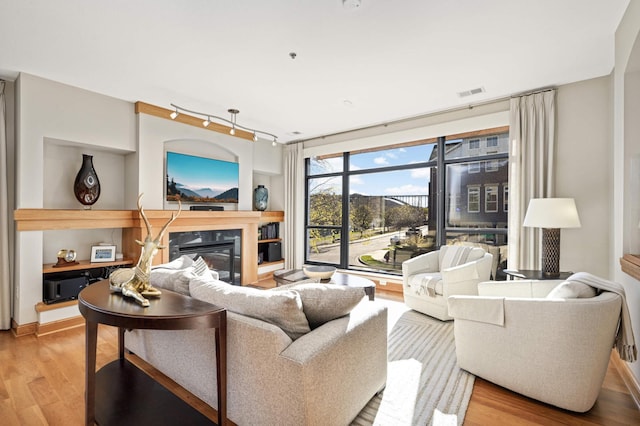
(325, 302)
(282, 309)
(175, 275)
(571, 290)
(451, 256)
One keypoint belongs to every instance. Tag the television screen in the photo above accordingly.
(192, 179)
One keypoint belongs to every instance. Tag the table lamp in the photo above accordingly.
(551, 214)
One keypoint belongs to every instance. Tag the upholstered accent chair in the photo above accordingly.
(553, 349)
(429, 279)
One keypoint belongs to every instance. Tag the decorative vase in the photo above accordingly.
(87, 186)
(260, 198)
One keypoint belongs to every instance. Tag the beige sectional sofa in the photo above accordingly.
(324, 376)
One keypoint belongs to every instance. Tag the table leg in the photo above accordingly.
(121, 344)
(371, 292)
(91, 339)
(221, 368)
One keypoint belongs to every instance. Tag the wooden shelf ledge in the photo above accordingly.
(631, 265)
(56, 219)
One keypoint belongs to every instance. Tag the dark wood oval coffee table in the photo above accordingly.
(125, 392)
(292, 276)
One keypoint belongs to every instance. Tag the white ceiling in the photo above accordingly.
(383, 61)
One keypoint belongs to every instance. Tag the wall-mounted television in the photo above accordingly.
(192, 179)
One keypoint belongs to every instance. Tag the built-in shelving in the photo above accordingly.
(49, 268)
(266, 268)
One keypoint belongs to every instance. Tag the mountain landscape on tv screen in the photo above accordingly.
(177, 191)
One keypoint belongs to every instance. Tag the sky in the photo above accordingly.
(401, 182)
(199, 172)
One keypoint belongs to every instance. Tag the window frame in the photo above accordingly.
(440, 164)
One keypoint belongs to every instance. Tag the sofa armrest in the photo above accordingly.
(517, 288)
(427, 262)
(353, 350)
(464, 279)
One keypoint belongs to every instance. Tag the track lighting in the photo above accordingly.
(232, 122)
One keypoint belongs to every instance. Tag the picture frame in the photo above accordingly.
(103, 254)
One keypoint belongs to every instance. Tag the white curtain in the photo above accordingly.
(531, 171)
(5, 214)
(293, 235)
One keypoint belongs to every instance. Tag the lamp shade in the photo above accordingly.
(552, 213)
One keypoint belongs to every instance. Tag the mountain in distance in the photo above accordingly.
(200, 194)
(186, 191)
(230, 194)
(205, 192)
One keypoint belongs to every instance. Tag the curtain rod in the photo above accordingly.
(432, 114)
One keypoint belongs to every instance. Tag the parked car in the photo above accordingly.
(397, 239)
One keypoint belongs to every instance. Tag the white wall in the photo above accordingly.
(158, 135)
(582, 167)
(56, 123)
(583, 172)
(50, 112)
(625, 160)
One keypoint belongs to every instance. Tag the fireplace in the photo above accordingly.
(220, 249)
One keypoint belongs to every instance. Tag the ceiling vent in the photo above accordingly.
(471, 92)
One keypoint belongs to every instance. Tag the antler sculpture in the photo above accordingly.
(134, 282)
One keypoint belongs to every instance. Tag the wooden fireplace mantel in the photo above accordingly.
(133, 227)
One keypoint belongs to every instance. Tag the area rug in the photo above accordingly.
(424, 384)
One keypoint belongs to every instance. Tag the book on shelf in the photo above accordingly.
(269, 231)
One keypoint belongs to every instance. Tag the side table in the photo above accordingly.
(128, 395)
(533, 274)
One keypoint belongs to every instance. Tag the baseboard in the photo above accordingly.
(627, 377)
(47, 328)
(24, 329)
(55, 326)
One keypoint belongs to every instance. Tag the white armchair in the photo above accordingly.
(429, 279)
(553, 350)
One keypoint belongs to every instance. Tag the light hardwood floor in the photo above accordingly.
(42, 383)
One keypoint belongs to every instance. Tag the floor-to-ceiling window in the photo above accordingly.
(372, 209)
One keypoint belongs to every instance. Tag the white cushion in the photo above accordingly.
(175, 275)
(426, 284)
(451, 256)
(281, 308)
(572, 290)
(322, 303)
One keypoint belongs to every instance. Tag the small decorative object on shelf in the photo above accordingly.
(66, 258)
(87, 186)
(103, 253)
(134, 282)
(260, 198)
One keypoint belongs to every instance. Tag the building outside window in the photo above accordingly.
(491, 198)
(473, 199)
(492, 166)
(372, 209)
(505, 197)
(474, 167)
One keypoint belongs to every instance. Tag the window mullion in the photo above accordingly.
(441, 238)
(344, 239)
